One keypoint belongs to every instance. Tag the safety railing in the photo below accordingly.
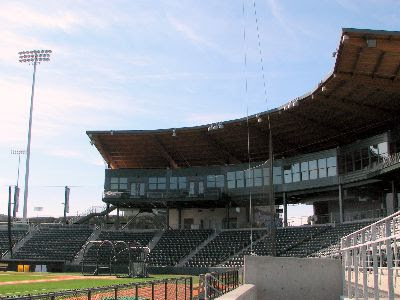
(370, 260)
(386, 162)
(212, 285)
(174, 288)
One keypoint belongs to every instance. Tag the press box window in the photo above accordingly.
(249, 177)
(322, 167)
(230, 176)
(157, 183)
(257, 177)
(182, 183)
(173, 183)
(313, 169)
(266, 176)
(215, 181)
(331, 165)
(239, 179)
(296, 172)
(119, 183)
(287, 174)
(304, 170)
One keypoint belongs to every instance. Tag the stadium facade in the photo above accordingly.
(336, 148)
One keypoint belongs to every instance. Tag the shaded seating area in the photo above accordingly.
(225, 244)
(329, 244)
(54, 243)
(16, 236)
(289, 237)
(129, 237)
(285, 238)
(175, 245)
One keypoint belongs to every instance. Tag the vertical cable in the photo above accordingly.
(248, 128)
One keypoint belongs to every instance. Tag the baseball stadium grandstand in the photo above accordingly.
(218, 192)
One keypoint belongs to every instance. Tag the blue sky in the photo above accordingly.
(148, 65)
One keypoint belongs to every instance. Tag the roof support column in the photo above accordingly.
(117, 223)
(285, 223)
(341, 203)
(167, 218)
(108, 213)
(179, 218)
(271, 191)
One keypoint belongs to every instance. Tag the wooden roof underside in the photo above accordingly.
(360, 98)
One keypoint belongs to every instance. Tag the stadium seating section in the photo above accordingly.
(52, 243)
(225, 245)
(227, 248)
(175, 245)
(17, 234)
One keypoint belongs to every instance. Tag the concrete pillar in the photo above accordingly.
(285, 223)
(167, 217)
(227, 217)
(179, 218)
(341, 217)
(108, 214)
(117, 224)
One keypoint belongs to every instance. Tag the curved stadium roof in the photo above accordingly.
(359, 98)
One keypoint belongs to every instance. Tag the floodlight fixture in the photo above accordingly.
(32, 57)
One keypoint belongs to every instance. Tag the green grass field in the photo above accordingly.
(19, 285)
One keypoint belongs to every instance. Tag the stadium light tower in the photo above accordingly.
(33, 57)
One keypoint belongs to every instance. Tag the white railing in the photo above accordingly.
(386, 162)
(91, 210)
(369, 258)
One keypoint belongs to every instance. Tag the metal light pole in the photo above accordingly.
(33, 57)
(16, 189)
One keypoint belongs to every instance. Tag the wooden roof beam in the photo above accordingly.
(172, 162)
(220, 147)
(397, 73)
(378, 63)
(313, 121)
(103, 152)
(357, 61)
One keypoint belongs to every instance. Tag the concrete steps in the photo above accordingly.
(22, 242)
(240, 252)
(157, 236)
(183, 261)
(79, 256)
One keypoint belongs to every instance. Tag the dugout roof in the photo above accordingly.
(359, 98)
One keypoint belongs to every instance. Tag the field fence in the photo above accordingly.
(167, 289)
(213, 285)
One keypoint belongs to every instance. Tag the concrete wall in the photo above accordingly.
(243, 292)
(212, 218)
(290, 278)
